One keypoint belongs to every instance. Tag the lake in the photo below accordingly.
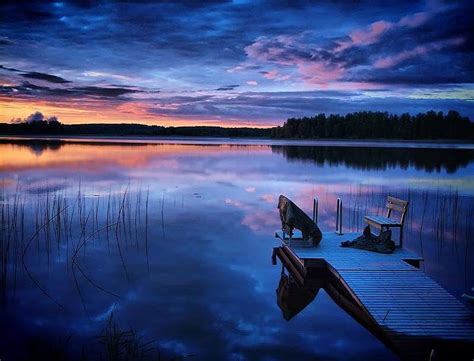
(166, 244)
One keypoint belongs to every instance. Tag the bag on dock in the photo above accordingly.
(382, 243)
(293, 217)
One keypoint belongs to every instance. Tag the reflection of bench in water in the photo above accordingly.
(387, 293)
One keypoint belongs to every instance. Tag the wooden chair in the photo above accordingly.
(381, 222)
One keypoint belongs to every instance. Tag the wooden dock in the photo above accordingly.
(388, 294)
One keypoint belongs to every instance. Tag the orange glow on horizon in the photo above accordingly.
(97, 111)
(72, 155)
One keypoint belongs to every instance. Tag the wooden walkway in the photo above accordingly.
(388, 293)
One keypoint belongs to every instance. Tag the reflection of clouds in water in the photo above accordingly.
(179, 304)
(230, 164)
(269, 198)
(258, 220)
(261, 221)
(174, 345)
(210, 289)
(103, 316)
(39, 186)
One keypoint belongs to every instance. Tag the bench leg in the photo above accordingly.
(401, 237)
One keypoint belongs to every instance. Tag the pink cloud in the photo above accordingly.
(276, 49)
(390, 61)
(321, 73)
(415, 20)
(324, 67)
(272, 74)
(290, 51)
(275, 75)
(366, 36)
(371, 34)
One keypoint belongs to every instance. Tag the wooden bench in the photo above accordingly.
(381, 222)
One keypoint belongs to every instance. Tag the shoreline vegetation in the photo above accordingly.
(359, 126)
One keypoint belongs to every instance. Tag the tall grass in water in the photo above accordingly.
(62, 223)
(12, 229)
(441, 215)
(122, 344)
(112, 343)
(126, 344)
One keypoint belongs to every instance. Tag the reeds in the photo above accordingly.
(128, 345)
(64, 222)
(112, 343)
(122, 344)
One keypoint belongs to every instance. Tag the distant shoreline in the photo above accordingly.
(196, 140)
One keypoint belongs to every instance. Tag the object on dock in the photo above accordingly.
(381, 222)
(382, 243)
(389, 295)
(292, 217)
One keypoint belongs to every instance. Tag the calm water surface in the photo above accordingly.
(190, 268)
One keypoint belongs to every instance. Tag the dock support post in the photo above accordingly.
(339, 217)
(315, 210)
(401, 237)
(274, 256)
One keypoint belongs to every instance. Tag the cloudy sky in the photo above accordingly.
(233, 63)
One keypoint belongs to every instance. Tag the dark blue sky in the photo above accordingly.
(233, 62)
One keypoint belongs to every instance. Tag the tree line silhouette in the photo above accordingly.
(378, 125)
(359, 125)
(56, 128)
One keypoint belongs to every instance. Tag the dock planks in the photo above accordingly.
(406, 306)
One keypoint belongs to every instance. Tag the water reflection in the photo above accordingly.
(37, 147)
(197, 277)
(366, 158)
(291, 298)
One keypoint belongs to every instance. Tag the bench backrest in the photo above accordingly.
(395, 204)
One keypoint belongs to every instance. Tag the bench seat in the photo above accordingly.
(383, 221)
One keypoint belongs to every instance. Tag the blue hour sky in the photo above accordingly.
(233, 63)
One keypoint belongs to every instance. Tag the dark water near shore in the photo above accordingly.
(175, 241)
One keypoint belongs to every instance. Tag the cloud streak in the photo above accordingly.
(421, 50)
(45, 77)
